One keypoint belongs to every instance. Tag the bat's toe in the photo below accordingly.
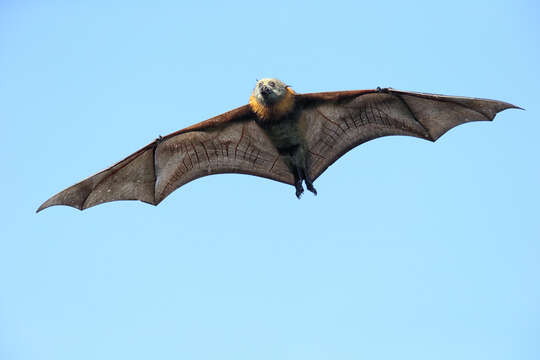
(299, 191)
(311, 188)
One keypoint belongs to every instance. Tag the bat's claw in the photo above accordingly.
(159, 139)
(310, 187)
(299, 190)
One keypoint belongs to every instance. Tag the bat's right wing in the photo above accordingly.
(335, 122)
(229, 143)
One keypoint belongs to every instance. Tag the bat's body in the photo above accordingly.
(288, 140)
(279, 135)
(278, 117)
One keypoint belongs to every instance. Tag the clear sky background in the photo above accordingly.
(412, 250)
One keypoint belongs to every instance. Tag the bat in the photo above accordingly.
(279, 135)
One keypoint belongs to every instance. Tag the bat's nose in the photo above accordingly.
(265, 90)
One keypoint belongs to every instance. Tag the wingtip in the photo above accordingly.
(503, 105)
(499, 106)
(516, 107)
(53, 202)
(507, 106)
(43, 206)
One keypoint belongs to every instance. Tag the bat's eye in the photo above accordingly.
(272, 84)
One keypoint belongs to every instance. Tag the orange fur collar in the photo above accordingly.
(275, 111)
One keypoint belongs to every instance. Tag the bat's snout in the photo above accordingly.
(265, 91)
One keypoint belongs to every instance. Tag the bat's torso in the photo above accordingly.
(287, 137)
(284, 133)
(278, 113)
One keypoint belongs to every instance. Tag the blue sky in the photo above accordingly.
(411, 250)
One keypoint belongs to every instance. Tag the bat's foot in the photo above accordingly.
(302, 176)
(299, 189)
(310, 187)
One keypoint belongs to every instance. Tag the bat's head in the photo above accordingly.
(269, 91)
(271, 98)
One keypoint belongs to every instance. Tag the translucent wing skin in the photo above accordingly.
(229, 143)
(335, 122)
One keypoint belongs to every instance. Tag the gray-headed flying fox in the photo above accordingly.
(280, 135)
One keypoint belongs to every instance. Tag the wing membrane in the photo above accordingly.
(340, 121)
(229, 143)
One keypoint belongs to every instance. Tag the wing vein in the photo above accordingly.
(328, 119)
(426, 130)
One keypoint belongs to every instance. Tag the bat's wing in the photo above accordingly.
(229, 143)
(336, 122)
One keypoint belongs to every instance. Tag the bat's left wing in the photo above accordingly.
(335, 122)
(229, 143)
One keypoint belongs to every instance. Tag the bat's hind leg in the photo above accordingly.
(298, 184)
(310, 187)
(296, 160)
(309, 183)
(302, 176)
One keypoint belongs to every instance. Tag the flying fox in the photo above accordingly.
(279, 135)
